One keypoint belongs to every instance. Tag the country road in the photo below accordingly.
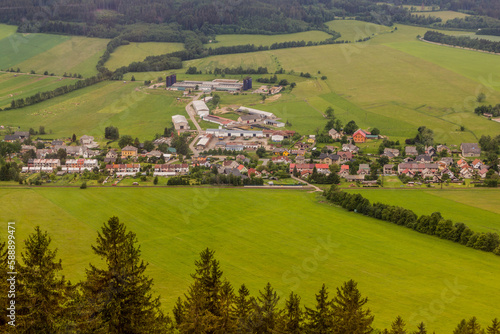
(192, 115)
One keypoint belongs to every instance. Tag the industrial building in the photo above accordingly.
(251, 111)
(180, 122)
(201, 108)
(274, 123)
(171, 79)
(235, 133)
(227, 85)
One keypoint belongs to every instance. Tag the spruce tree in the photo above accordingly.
(293, 315)
(118, 298)
(473, 326)
(398, 326)
(461, 328)
(43, 295)
(349, 315)
(265, 315)
(494, 328)
(421, 329)
(242, 307)
(320, 319)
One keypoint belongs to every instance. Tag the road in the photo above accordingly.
(311, 185)
(192, 114)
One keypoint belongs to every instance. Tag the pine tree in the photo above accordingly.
(398, 326)
(293, 315)
(348, 313)
(461, 328)
(226, 322)
(118, 298)
(473, 327)
(421, 329)
(494, 328)
(320, 320)
(265, 315)
(43, 295)
(242, 307)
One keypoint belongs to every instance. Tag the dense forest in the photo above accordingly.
(116, 296)
(464, 42)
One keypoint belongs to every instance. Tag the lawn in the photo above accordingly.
(139, 113)
(267, 40)
(264, 236)
(477, 208)
(126, 54)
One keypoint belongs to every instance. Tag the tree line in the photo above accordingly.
(116, 296)
(493, 110)
(434, 224)
(462, 41)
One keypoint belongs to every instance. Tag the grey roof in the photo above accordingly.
(471, 148)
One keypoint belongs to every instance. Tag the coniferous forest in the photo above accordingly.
(116, 296)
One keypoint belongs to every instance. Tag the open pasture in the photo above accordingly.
(265, 236)
(267, 40)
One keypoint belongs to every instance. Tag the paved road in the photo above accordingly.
(192, 114)
(311, 185)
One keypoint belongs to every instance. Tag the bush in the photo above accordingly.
(84, 185)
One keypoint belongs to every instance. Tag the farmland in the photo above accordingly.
(267, 40)
(464, 205)
(139, 113)
(126, 54)
(37, 52)
(401, 271)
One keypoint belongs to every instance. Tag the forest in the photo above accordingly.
(464, 42)
(116, 296)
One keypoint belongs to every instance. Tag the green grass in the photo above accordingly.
(126, 54)
(6, 30)
(477, 208)
(76, 55)
(16, 86)
(444, 15)
(140, 113)
(353, 30)
(267, 40)
(260, 236)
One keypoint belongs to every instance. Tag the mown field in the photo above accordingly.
(16, 86)
(444, 15)
(477, 208)
(139, 113)
(267, 40)
(53, 53)
(353, 30)
(262, 236)
(126, 54)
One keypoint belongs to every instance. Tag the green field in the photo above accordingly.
(16, 86)
(126, 54)
(267, 40)
(353, 30)
(459, 205)
(53, 53)
(444, 15)
(139, 113)
(260, 236)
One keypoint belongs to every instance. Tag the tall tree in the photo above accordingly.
(293, 315)
(243, 307)
(266, 314)
(398, 326)
(421, 329)
(118, 298)
(320, 319)
(43, 294)
(349, 315)
(494, 328)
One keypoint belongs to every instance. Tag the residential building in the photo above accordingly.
(470, 149)
(129, 151)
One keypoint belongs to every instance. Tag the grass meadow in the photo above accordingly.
(268, 235)
(267, 40)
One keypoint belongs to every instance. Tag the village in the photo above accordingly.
(254, 149)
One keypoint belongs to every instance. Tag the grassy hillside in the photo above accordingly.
(126, 54)
(353, 30)
(267, 40)
(445, 15)
(262, 236)
(477, 208)
(53, 53)
(136, 112)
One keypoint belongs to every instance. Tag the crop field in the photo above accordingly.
(267, 40)
(126, 54)
(477, 208)
(262, 236)
(38, 52)
(16, 86)
(140, 113)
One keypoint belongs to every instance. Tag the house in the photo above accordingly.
(56, 143)
(360, 136)
(129, 151)
(112, 154)
(180, 122)
(281, 160)
(334, 134)
(423, 158)
(430, 151)
(389, 169)
(329, 158)
(42, 153)
(344, 171)
(88, 141)
(470, 149)
(73, 166)
(230, 164)
(170, 169)
(355, 177)
(26, 148)
(461, 163)
(300, 159)
(390, 153)
(322, 168)
(302, 146)
(446, 160)
(74, 151)
(363, 169)
(281, 151)
(312, 139)
(466, 172)
(345, 156)
(441, 148)
(477, 164)
(482, 172)
(411, 150)
(242, 169)
(154, 154)
(124, 169)
(407, 172)
(18, 135)
(417, 167)
(41, 165)
(277, 138)
(350, 148)
(254, 172)
(248, 119)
